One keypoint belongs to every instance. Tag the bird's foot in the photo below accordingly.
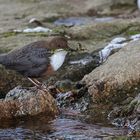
(43, 87)
(51, 89)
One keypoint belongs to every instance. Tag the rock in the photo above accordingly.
(78, 66)
(65, 85)
(117, 78)
(127, 115)
(103, 30)
(109, 7)
(135, 105)
(21, 102)
(9, 79)
(54, 9)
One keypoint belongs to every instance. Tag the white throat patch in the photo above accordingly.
(57, 59)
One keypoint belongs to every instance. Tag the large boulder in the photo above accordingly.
(117, 78)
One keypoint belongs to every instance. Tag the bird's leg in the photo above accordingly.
(38, 84)
(34, 82)
(42, 86)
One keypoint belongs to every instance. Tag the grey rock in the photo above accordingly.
(117, 78)
(22, 102)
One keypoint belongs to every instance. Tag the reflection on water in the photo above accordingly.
(67, 127)
(81, 20)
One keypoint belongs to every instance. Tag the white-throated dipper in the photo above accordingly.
(38, 59)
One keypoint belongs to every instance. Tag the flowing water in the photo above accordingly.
(67, 126)
(81, 20)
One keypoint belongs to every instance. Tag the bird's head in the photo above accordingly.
(59, 43)
(59, 48)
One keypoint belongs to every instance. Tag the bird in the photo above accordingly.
(37, 59)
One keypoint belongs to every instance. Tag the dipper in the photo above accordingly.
(38, 59)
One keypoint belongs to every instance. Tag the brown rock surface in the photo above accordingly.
(9, 79)
(118, 77)
(21, 102)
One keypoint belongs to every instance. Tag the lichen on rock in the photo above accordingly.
(21, 102)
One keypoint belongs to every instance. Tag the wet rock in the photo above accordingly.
(79, 65)
(127, 115)
(65, 85)
(71, 95)
(132, 108)
(74, 69)
(9, 79)
(135, 105)
(118, 78)
(104, 30)
(21, 102)
(77, 99)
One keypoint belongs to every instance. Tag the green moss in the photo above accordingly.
(133, 103)
(59, 29)
(4, 50)
(29, 1)
(133, 30)
(123, 6)
(37, 34)
(8, 34)
(51, 19)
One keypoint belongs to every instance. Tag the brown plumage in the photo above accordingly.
(33, 60)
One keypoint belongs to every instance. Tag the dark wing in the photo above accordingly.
(30, 61)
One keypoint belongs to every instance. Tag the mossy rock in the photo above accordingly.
(9, 79)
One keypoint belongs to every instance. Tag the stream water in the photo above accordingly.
(67, 126)
(81, 20)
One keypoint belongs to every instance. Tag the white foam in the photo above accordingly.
(116, 43)
(118, 40)
(83, 61)
(34, 30)
(135, 37)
